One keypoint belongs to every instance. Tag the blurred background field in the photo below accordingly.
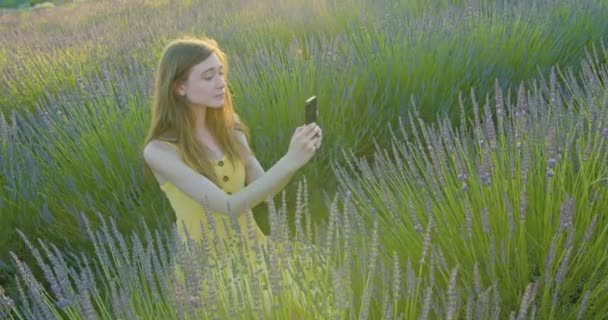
(75, 86)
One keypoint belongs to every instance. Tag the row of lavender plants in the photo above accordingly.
(517, 199)
(503, 217)
(76, 151)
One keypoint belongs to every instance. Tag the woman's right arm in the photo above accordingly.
(166, 162)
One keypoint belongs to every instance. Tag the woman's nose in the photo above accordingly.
(221, 83)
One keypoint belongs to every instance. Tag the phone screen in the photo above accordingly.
(311, 109)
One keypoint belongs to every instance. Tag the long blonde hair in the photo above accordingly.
(171, 118)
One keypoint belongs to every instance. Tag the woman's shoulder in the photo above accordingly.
(159, 146)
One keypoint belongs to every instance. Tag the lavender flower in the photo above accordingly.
(426, 244)
(510, 219)
(426, 306)
(452, 295)
(371, 267)
(6, 303)
(23, 298)
(555, 99)
(121, 242)
(147, 264)
(590, 228)
(440, 257)
(566, 214)
(34, 288)
(489, 125)
(386, 306)
(476, 279)
(338, 284)
(4, 130)
(582, 306)
(563, 267)
(257, 297)
(396, 284)
(48, 273)
(298, 214)
(275, 276)
(523, 204)
(116, 301)
(469, 306)
(482, 307)
(493, 257)
(428, 291)
(468, 219)
(550, 257)
(496, 306)
(411, 278)
(414, 217)
(485, 220)
(178, 297)
(333, 212)
(59, 266)
(527, 300)
(485, 178)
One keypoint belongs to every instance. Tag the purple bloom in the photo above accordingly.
(486, 178)
(605, 132)
(552, 162)
(63, 303)
(6, 303)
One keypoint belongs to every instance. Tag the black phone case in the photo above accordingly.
(311, 109)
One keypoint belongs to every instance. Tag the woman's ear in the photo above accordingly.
(179, 89)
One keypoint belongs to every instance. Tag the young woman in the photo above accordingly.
(198, 149)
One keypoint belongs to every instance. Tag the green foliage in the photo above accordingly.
(25, 3)
(8, 3)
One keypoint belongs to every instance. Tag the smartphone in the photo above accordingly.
(311, 109)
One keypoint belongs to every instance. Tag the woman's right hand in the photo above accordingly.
(304, 144)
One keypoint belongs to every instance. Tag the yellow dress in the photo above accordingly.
(219, 231)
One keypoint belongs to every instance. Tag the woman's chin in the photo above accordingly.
(215, 105)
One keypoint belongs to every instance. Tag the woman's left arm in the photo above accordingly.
(253, 168)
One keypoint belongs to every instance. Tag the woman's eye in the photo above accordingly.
(210, 77)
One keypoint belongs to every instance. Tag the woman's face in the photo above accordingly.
(205, 85)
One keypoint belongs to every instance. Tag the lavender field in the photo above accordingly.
(463, 173)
